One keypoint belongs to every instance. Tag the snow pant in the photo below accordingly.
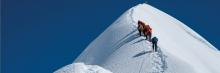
(139, 32)
(154, 46)
(148, 36)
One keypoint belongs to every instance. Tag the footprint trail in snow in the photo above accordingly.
(159, 62)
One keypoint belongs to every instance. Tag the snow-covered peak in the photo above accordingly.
(139, 13)
(181, 50)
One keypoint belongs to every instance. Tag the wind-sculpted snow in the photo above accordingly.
(82, 68)
(120, 49)
(159, 62)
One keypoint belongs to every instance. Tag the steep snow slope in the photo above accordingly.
(181, 50)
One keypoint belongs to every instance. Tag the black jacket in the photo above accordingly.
(154, 40)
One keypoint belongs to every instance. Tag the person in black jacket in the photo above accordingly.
(154, 43)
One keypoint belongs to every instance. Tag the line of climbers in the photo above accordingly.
(147, 31)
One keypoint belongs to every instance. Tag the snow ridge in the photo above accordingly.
(159, 62)
(158, 58)
(120, 49)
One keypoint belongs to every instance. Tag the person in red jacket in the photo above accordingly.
(148, 32)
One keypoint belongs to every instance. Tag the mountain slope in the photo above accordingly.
(181, 50)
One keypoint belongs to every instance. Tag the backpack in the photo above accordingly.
(148, 28)
(154, 39)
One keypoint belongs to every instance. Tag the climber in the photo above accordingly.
(154, 43)
(141, 26)
(148, 32)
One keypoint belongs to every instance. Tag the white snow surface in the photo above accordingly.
(82, 68)
(181, 50)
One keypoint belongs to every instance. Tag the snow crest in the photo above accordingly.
(82, 68)
(121, 49)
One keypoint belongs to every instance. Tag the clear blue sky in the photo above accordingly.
(40, 36)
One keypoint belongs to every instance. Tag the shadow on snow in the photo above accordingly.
(142, 53)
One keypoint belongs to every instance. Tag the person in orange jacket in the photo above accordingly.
(148, 32)
(141, 26)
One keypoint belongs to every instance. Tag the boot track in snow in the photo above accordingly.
(158, 61)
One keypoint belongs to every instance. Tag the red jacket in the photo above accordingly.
(148, 29)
